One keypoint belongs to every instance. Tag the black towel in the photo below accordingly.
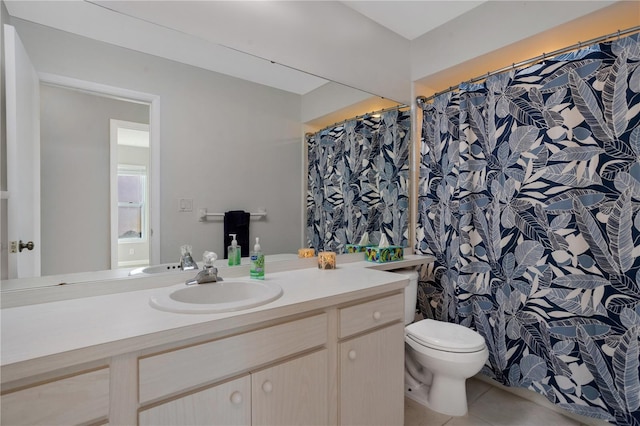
(237, 222)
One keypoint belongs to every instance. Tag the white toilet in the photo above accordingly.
(439, 357)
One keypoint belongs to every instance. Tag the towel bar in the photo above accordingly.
(203, 215)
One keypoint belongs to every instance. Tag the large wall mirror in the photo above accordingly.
(226, 139)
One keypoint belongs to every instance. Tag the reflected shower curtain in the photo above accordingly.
(357, 181)
(529, 198)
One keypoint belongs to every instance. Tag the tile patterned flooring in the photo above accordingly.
(490, 405)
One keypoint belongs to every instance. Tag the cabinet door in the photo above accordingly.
(292, 393)
(79, 399)
(225, 404)
(372, 378)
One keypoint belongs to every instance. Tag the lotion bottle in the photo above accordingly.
(234, 252)
(257, 262)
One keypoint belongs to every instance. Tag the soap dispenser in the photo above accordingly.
(257, 262)
(234, 251)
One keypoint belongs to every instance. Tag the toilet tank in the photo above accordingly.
(410, 293)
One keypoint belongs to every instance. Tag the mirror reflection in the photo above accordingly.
(223, 143)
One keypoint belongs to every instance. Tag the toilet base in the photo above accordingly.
(441, 401)
(416, 391)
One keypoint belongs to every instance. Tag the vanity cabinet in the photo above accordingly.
(333, 360)
(368, 350)
(371, 363)
(289, 393)
(269, 392)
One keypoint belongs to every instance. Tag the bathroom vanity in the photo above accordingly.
(330, 350)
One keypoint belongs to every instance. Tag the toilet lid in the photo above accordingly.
(445, 336)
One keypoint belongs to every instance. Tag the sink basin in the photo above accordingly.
(222, 296)
(157, 269)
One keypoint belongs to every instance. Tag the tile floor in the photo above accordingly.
(489, 405)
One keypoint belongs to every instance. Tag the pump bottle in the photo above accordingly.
(234, 252)
(257, 262)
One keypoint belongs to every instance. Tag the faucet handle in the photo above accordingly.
(208, 258)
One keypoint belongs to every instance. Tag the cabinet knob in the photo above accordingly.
(236, 398)
(352, 354)
(267, 386)
(377, 315)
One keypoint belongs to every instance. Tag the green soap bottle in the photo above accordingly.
(257, 262)
(234, 252)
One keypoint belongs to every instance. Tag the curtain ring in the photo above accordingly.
(618, 35)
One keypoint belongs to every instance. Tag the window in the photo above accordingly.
(132, 203)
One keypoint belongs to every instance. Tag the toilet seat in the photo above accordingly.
(445, 336)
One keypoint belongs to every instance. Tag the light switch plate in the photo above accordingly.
(185, 205)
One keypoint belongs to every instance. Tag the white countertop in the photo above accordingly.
(42, 337)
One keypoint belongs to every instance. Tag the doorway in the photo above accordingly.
(76, 177)
(94, 173)
(129, 189)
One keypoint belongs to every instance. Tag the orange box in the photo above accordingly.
(326, 260)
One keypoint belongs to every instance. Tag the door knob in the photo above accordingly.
(236, 398)
(28, 246)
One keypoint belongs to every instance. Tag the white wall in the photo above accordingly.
(489, 27)
(225, 143)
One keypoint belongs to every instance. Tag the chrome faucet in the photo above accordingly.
(209, 273)
(186, 261)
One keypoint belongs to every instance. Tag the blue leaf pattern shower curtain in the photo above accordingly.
(357, 181)
(529, 198)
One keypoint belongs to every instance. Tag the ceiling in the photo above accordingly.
(411, 19)
(170, 28)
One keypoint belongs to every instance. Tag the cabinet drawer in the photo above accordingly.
(358, 318)
(172, 372)
(79, 399)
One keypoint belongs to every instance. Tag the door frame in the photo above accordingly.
(154, 141)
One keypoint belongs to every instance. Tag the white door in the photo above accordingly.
(23, 158)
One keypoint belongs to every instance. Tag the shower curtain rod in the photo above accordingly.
(579, 45)
(358, 117)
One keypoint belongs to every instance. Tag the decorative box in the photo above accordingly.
(384, 254)
(326, 260)
(356, 248)
(306, 252)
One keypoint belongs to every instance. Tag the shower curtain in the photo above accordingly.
(357, 181)
(529, 198)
